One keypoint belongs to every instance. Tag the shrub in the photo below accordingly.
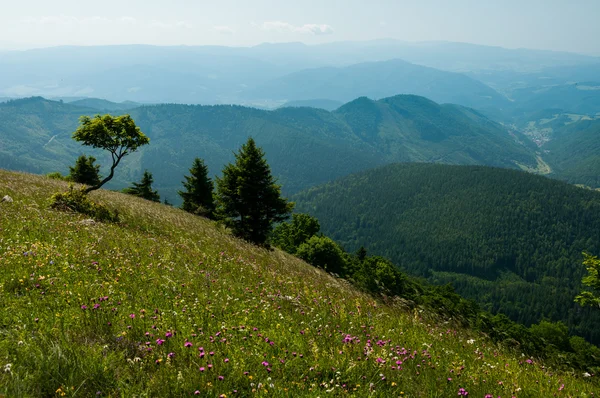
(57, 176)
(76, 200)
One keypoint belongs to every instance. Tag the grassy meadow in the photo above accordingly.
(165, 303)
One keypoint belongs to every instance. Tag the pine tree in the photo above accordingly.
(198, 194)
(248, 199)
(143, 189)
(85, 171)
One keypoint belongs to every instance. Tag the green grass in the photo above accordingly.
(164, 271)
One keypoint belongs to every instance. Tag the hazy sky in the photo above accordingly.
(570, 25)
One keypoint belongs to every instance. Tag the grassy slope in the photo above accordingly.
(162, 270)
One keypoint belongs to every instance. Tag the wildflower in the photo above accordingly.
(168, 334)
(221, 377)
(201, 369)
(171, 355)
(197, 392)
(84, 307)
(159, 341)
(132, 316)
(226, 360)
(562, 387)
(462, 392)
(187, 344)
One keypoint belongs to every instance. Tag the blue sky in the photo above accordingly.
(543, 24)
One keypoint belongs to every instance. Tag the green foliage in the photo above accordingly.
(77, 200)
(117, 135)
(85, 171)
(555, 334)
(143, 189)
(591, 280)
(248, 199)
(289, 236)
(57, 176)
(198, 194)
(322, 252)
(504, 238)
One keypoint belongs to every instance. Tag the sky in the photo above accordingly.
(541, 24)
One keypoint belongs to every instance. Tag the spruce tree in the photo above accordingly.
(85, 171)
(248, 199)
(198, 194)
(143, 189)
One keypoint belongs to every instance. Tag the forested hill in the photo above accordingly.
(304, 146)
(574, 153)
(508, 239)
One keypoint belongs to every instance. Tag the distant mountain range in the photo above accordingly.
(510, 240)
(269, 75)
(379, 80)
(305, 146)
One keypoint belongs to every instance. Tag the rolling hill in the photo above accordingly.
(508, 239)
(166, 304)
(305, 146)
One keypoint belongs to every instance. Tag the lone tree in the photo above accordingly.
(592, 280)
(248, 199)
(118, 135)
(198, 194)
(85, 171)
(143, 189)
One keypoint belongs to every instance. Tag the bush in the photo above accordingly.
(57, 176)
(322, 252)
(76, 200)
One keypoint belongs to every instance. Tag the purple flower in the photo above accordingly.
(221, 377)
(226, 360)
(201, 369)
(171, 355)
(168, 334)
(187, 344)
(132, 316)
(159, 341)
(84, 307)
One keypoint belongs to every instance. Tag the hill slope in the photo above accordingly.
(304, 146)
(166, 304)
(574, 153)
(508, 239)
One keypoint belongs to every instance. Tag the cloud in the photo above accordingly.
(314, 29)
(226, 30)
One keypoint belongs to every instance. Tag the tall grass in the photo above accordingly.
(168, 304)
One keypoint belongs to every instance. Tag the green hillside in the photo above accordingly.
(574, 153)
(164, 303)
(305, 146)
(508, 239)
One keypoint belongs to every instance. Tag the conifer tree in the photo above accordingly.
(85, 171)
(248, 199)
(143, 189)
(198, 194)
